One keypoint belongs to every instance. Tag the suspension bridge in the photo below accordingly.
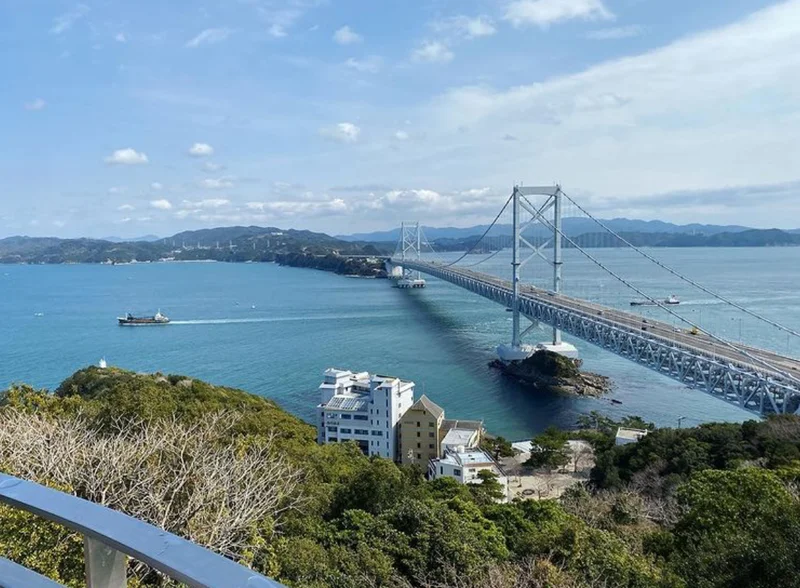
(756, 379)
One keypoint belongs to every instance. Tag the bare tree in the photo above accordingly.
(191, 480)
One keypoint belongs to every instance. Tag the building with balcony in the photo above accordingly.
(364, 408)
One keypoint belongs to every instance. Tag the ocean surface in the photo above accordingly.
(273, 330)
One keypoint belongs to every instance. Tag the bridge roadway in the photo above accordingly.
(698, 360)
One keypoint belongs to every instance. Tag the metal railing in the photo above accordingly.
(110, 537)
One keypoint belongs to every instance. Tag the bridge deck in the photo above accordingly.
(733, 365)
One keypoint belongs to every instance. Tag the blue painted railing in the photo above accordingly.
(110, 537)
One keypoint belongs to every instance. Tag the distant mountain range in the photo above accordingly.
(305, 248)
(130, 239)
(571, 226)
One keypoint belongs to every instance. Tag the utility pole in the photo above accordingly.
(680, 420)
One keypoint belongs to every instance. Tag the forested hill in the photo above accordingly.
(221, 244)
(714, 506)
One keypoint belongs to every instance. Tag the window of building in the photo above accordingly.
(346, 431)
(347, 416)
(456, 472)
(431, 423)
(471, 470)
(360, 417)
(376, 433)
(332, 440)
(430, 445)
(418, 423)
(332, 429)
(430, 434)
(418, 446)
(419, 434)
(441, 470)
(362, 432)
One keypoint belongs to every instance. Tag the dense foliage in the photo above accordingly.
(694, 507)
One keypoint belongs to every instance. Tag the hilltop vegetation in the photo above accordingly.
(230, 244)
(682, 508)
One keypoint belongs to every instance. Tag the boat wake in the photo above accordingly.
(275, 319)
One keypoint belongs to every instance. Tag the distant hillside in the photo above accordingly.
(288, 246)
(114, 239)
(571, 226)
(746, 238)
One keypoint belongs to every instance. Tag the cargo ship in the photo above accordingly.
(134, 321)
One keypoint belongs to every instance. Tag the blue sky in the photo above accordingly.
(130, 118)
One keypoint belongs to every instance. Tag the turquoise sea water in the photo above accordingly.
(272, 330)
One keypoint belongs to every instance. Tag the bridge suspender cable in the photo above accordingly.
(682, 277)
(486, 232)
(722, 342)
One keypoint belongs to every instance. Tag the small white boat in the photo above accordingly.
(102, 363)
(672, 300)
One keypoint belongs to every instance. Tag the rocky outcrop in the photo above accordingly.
(549, 371)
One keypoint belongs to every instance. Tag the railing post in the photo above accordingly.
(105, 566)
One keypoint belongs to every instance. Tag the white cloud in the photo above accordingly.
(401, 136)
(371, 64)
(126, 157)
(344, 132)
(432, 52)
(37, 104)
(346, 36)
(277, 31)
(209, 37)
(543, 13)
(205, 204)
(210, 166)
(59, 223)
(281, 15)
(677, 118)
(65, 22)
(117, 189)
(288, 209)
(468, 27)
(162, 204)
(201, 150)
(121, 38)
(124, 207)
(216, 184)
(615, 33)
(157, 186)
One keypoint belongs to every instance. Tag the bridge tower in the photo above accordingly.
(410, 249)
(548, 214)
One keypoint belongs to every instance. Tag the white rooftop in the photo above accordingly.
(467, 457)
(633, 434)
(456, 437)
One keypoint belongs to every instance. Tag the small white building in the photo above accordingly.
(625, 436)
(364, 408)
(463, 464)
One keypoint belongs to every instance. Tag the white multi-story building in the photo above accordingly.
(463, 464)
(364, 408)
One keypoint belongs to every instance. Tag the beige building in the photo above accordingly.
(425, 434)
(419, 432)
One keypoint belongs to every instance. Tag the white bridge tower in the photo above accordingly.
(410, 250)
(549, 209)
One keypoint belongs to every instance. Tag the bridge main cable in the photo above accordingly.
(682, 277)
(486, 232)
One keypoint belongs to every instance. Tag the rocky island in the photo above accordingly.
(546, 370)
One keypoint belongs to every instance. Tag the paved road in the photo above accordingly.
(700, 342)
